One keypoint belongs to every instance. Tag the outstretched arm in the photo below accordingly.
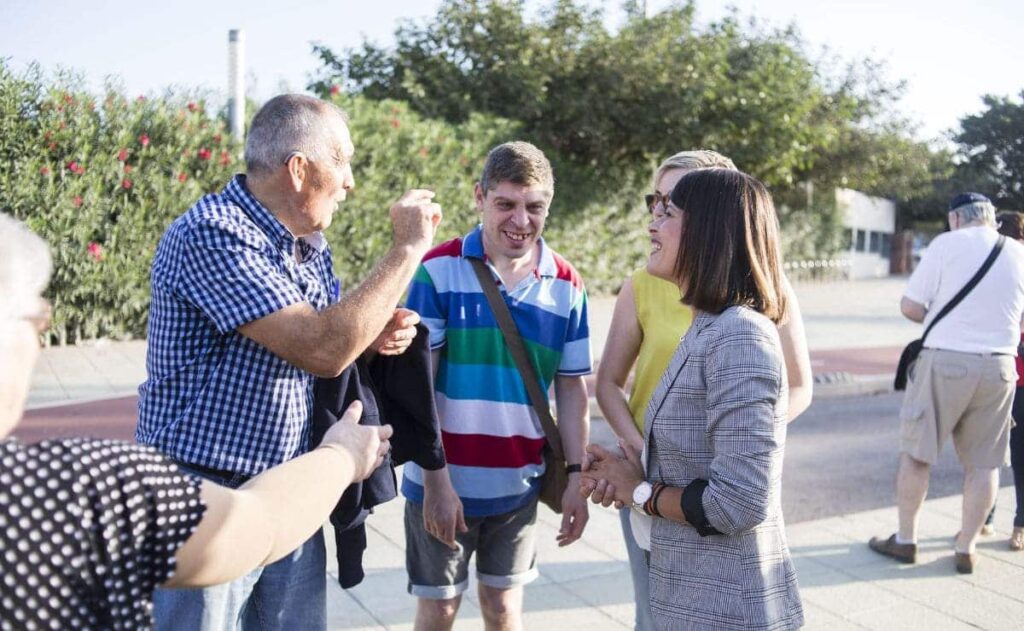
(276, 511)
(323, 343)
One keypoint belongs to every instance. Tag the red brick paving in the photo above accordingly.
(111, 418)
(115, 418)
(860, 361)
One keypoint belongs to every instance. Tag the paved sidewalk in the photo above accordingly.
(854, 331)
(844, 585)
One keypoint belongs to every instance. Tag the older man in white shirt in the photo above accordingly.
(962, 383)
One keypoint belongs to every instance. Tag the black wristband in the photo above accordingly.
(573, 468)
(692, 505)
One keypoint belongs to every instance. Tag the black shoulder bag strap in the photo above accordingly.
(996, 249)
(514, 342)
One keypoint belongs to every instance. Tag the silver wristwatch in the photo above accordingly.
(641, 494)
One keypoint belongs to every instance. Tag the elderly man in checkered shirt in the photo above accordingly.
(246, 312)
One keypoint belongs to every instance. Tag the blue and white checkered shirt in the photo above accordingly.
(213, 397)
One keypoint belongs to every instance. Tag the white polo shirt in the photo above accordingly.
(989, 319)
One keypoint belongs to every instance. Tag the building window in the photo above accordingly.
(886, 249)
(861, 236)
(874, 242)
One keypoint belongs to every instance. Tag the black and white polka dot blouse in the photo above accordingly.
(87, 529)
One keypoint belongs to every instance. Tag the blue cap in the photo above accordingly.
(967, 198)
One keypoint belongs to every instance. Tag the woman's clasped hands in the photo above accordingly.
(608, 478)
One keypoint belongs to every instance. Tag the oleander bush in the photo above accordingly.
(100, 177)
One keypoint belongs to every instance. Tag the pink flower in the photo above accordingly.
(225, 158)
(76, 168)
(95, 251)
(48, 135)
(140, 98)
(424, 152)
(122, 155)
(77, 202)
(395, 123)
(126, 184)
(335, 90)
(182, 177)
(127, 168)
(217, 138)
(44, 170)
(204, 154)
(52, 146)
(192, 107)
(144, 140)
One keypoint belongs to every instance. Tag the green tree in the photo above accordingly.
(609, 105)
(612, 100)
(991, 144)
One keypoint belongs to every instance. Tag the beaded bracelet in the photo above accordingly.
(651, 505)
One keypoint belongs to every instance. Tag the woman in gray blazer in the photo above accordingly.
(707, 488)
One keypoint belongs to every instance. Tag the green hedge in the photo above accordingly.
(101, 177)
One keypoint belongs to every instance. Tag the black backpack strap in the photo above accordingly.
(996, 249)
(516, 348)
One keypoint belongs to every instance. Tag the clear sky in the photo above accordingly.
(949, 52)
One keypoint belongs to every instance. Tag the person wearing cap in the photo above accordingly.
(962, 383)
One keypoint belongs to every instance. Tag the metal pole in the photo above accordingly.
(236, 83)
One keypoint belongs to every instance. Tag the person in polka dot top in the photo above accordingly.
(88, 528)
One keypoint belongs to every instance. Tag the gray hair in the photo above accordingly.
(25, 267)
(981, 212)
(287, 123)
(698, 159)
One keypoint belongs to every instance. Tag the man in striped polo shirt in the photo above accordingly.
(484, 500)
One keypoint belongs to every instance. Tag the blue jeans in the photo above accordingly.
(643, 620)
(290, 593)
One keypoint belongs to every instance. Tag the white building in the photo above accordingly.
(871, 223)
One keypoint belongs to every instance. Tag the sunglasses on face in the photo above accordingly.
(656, 199)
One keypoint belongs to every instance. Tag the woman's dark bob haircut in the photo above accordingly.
(729, 249)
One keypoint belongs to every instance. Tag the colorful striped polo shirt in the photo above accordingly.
(493, 440)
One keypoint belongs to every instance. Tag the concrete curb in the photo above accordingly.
(845, 385)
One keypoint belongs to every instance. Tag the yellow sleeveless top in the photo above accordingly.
(663, 321)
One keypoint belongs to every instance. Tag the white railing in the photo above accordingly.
(818, 270)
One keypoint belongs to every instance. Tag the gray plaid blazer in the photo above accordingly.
(719, 415)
